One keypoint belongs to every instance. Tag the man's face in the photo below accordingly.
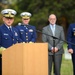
(52, 19)
(8, 21)
(25, 21)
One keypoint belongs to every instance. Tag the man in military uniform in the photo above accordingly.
(26, 31)
(8, 34)
(71, 47)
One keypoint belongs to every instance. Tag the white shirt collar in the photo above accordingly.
(8, 26)
(52, 25)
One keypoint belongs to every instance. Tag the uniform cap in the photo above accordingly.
(25, 15)
(8, 13)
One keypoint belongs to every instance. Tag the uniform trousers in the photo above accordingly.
(73, 61)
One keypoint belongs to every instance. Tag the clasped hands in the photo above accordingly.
(54, 49)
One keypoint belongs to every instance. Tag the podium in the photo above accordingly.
(25, 59)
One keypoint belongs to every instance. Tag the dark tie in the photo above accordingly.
(10, 29)
(27, 26)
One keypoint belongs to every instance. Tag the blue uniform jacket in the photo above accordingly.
(71, 37)
(27, 33)
(8, 38)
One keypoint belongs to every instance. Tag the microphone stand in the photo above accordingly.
(54, 37)
(54, 54)
(54, 43)
(53, 51)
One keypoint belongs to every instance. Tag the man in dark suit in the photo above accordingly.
(26, 31)
(55, 46)
(8, 34)
(71, 47)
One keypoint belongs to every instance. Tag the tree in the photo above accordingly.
(41, 9)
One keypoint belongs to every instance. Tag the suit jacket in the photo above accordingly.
(59, 33)
(8, 38)
(71, 36)
(27, 33)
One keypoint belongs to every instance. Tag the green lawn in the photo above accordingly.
(66, 67)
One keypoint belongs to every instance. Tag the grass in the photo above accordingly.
(66, 66)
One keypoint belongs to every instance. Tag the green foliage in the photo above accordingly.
(41, 9)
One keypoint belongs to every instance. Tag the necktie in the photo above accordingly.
(10, 29)
(27, 26)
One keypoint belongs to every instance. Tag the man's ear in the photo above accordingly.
(3, 19)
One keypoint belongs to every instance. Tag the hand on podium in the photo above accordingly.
(23, 42)
(31, 42)
(2, 49)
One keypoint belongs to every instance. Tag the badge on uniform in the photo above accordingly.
(30, 30)
(16, 34)
(21, 30)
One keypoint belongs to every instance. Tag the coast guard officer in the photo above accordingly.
(8, 34)
(71, 47)
(26, 31)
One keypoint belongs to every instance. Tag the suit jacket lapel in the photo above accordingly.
(49, 30)
(56, 30)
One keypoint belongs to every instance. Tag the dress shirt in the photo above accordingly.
(53, 29)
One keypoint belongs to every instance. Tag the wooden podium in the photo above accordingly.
(25, 59)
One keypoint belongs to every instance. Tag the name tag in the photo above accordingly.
(30, 30)
(73, 28)
(21, 30)
(5, 34)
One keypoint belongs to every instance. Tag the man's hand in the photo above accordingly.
(70, 51)
(2, 49)
(31, 42)
(54, 50)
